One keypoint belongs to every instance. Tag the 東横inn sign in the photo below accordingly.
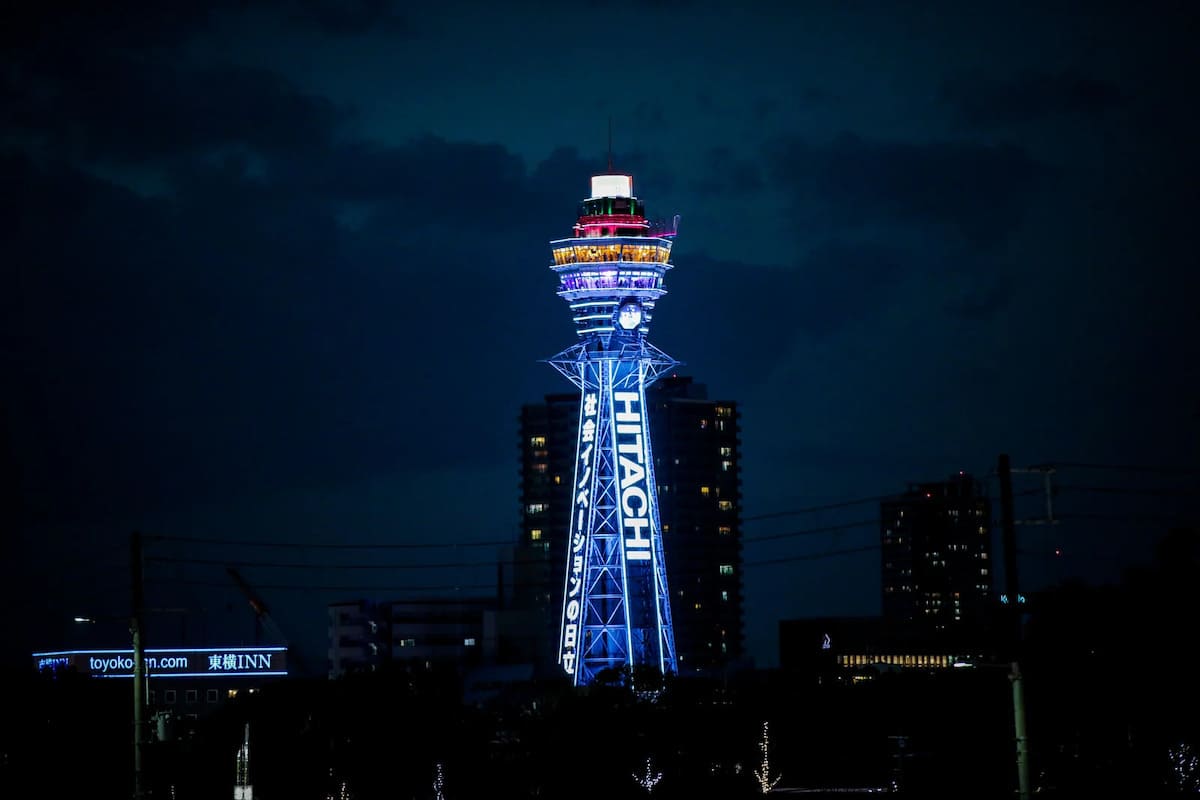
(226, 662)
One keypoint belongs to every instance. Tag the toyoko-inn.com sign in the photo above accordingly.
(178, 663)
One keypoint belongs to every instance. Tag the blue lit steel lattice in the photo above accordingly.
(616, 610)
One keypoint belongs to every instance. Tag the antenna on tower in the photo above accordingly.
(610, 166)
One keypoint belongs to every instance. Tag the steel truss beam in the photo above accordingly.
(616, 606)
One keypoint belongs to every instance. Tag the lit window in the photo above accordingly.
(557, 480)
(536, 508)
(540, 467)
(468, 642)
(703, 424)
(697, 606)
(724, 530)
(724, 411)
(232, 693)
(725, 505)
(725, 451)
(727, 569)
(726, 466)
(537, 441)
(704, 490)
(724, 596)
(535, 535)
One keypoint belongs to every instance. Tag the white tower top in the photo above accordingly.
(612, 186)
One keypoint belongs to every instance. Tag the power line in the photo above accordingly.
(508, 542)
(492, 586)
(460, 564)
(814, 509)
(293, 565)
(1174, 492)
(344, 588)
(1156, 518)
(332, 545)
(1162, 470)
(295, 545)
(812, 556)
(1066, 556)
(810, 531)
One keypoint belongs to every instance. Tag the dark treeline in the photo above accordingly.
(1110, 694)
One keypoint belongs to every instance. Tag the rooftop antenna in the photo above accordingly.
(610, 166)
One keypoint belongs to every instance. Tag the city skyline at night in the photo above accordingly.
(276, 288)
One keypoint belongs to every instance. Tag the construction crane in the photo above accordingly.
(263, 616)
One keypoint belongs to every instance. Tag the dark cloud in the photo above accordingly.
(764, 108)
(982, 302)
(61, 29)
(977, 192)
(349, 17)
(725, 172)
(128, 109)
(1029, 97)
(162, 340)
(650, 115)
(813, 96)
(737, 319)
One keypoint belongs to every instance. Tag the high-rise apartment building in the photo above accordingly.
(696, 463)
(937, 559)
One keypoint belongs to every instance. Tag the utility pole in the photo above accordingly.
(1013, 637)
(139, 664)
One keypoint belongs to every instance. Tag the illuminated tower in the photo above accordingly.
(616, 611)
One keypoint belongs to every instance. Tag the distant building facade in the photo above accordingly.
(182, 683)
(851, 649)
(697, 468)
(366, 636)
(936, 554)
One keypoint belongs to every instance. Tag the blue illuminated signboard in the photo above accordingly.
(229, 662)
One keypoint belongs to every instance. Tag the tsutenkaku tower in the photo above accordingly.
(616, 610)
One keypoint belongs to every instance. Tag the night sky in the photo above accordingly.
(278, 272)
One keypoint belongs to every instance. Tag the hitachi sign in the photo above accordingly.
(631, 463)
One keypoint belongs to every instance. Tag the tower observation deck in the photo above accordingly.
(616, 610)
